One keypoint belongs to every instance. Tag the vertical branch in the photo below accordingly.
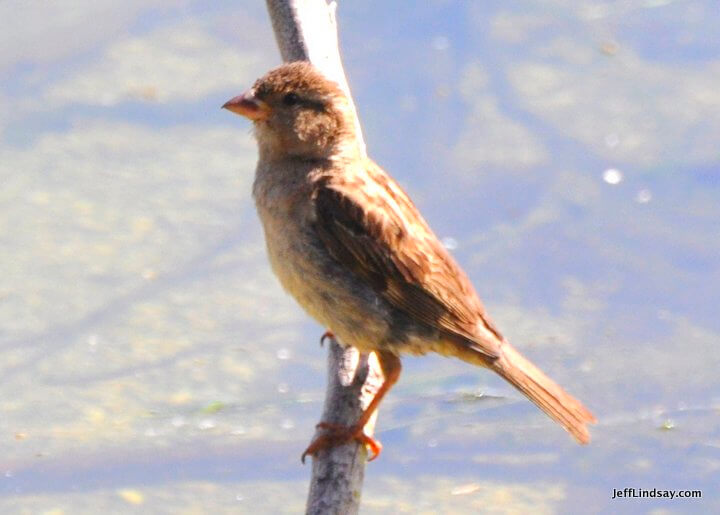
(306, 30)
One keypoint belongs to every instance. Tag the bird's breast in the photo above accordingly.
(325, 289)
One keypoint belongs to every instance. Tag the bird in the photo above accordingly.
(347, 242)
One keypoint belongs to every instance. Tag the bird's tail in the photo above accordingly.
(544, 392)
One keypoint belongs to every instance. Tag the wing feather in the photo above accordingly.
(387, 243)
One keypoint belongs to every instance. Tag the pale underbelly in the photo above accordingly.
(327, 292)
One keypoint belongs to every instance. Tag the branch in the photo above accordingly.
(306, 30)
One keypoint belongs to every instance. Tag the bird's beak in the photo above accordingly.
(248, 106)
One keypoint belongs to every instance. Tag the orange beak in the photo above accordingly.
(248, 106)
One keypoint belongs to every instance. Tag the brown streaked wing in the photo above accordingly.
(387, 243)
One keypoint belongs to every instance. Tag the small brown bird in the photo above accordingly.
(348, 243)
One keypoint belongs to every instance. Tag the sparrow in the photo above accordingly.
(350, 246)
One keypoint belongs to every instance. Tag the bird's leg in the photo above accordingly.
(326, 335)
(337, 434)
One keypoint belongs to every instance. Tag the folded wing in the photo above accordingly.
(386, 242)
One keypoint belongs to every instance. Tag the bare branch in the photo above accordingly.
(306, 30)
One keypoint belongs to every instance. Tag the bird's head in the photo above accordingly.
(297, 112)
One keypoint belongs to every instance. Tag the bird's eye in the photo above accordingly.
(291, 99)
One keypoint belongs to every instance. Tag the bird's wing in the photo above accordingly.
(387, 243)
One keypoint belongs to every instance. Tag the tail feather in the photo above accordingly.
(544, 392)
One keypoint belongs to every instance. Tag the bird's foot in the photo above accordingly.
(336, 434)
(326, 335)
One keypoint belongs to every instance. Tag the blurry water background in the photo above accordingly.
(568, 153)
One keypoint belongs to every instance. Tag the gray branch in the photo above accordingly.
(306, 30)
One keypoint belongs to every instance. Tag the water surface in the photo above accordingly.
(566, 151)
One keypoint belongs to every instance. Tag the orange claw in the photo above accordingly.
(374, 446)
(338, 435)
(327, 334)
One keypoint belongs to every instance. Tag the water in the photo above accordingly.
(567, 151)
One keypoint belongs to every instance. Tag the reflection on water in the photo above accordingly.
(565, 152)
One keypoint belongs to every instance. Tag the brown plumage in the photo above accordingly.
(348, 243)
